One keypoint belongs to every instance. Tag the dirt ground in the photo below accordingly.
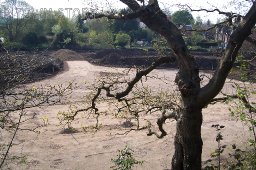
(90, 150)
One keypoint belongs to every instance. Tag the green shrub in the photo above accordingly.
(125, 160)
(42, 39)
(101, 40)
(81, 39)
(30, 39)
(122, 39)
(14, 46)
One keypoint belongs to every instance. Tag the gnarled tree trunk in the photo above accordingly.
(188, 143)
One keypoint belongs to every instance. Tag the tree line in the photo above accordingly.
(47, 28)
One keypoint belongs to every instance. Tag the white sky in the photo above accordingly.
(104, 4)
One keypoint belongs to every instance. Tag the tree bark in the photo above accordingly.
(188, 142)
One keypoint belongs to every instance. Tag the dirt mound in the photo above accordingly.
(24, 67)
(139, 57)
(123, 57)
(124, 52)
(67, 55)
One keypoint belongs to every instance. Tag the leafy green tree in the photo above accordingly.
(198, 22)
(125, 25)
(12, 17)
(182, 17)
(80, 24)
(31, 39)
(100, 40)
(122, 39)
(99, 25)
(41, 22)
(196, 37)
(65, 32)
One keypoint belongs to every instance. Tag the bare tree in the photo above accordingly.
(188, 142)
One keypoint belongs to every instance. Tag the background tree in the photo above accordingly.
(98, 25)
(80, 24)
(130, 27)
(122, 39)
(12, 18)
(125, 25)
(182, 17)
(198, 23)
(65, 31)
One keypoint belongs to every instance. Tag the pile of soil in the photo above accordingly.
(139, 57)
(25, 67)
(131, 58)
(128, 58)
(122, 57)
(67, 55)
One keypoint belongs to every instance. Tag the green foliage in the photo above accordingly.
(65, 33)
(31, 39)
(81, 39)
(160, 45)
(101, 40)
(56, 29)
(99, 25)
(13, 23)
(220, 149)
(243, 67)
(196, 37)
(14, 45)
(80, 24)
(44, 21)
(125, 160)
(198, 23)
(182, 17)
(38, 29)
(125, 25)
(245, 111)
(141, 34)
(122, 39)
(249, 160)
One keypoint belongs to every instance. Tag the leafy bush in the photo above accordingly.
(30, 39)
(81, 39)
(122, 39)
(196, 37)
(14, 46)
(101, 40)
(42, 39)
(125, 160)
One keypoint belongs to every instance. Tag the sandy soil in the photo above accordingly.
(87, 150)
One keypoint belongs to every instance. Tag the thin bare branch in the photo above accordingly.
(11, 142)
(142, 73)
(228, 14)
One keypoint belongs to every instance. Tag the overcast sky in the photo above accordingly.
(165, 4)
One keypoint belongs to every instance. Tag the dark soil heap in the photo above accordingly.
(24, 67)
